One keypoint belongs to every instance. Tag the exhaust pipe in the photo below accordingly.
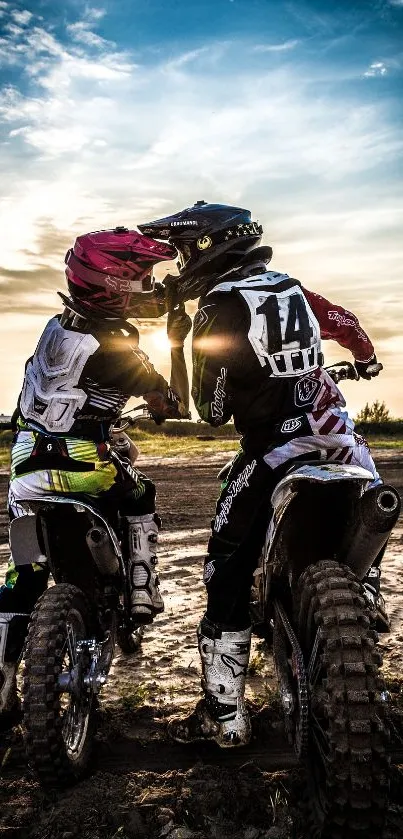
(375, 516)
(102, 551)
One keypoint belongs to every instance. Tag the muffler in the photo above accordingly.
(100, 545)
(375, 516)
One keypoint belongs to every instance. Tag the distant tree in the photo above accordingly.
(377, 412)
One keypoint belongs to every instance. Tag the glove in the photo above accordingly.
(368, 369)
(163, 407)
(149, 304)
(178, 326)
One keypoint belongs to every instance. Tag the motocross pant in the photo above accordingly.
(243, 512)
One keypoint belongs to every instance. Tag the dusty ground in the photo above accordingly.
(144, 786)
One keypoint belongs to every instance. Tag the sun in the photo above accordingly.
(160, 340)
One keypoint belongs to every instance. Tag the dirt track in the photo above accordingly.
(145, 786)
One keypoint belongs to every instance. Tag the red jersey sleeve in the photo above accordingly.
(340, 325)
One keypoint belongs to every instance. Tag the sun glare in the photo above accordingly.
(160, 340)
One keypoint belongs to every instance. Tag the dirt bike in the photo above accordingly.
(328, 527)
(75, 624)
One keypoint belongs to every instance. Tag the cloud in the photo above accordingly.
(186, 58)
(284, 47)
(378, 68)
(81, 32)
(22, 18)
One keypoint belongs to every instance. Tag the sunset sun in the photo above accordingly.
(160, 340)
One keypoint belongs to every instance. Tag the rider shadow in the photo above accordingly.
(139, 740)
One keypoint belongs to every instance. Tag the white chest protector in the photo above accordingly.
(283, 332)
(50, 395)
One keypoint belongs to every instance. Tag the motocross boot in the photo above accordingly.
(13, 627)
(221, 715)
(372, 590)
(146, 600)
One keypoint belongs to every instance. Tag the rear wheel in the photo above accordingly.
(58, 706)
(347, 764)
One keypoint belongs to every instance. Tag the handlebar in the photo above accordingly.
(130, 420)
(345, 370)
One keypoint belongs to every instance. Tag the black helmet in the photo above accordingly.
(211, 239)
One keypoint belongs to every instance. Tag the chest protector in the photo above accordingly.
(283, 330)
(50, 396)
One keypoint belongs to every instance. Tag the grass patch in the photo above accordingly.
(5, 456)
(268, 696)
(165, 446)
(382, 443)
(131, 698)
(256, 664)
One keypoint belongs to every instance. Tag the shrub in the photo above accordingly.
(377, 412)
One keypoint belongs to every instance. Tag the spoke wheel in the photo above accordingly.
(347, 764)
(58, 708)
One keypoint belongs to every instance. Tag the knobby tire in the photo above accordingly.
(58, 608)
(347, 765)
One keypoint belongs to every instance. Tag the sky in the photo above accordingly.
(122, 111)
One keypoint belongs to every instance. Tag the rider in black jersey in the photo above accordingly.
(257, 358)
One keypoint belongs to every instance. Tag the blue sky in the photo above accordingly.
(115, 112)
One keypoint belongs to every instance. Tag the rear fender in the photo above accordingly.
(24, 541)
(320, 473)
(54, 530)
(307, 503)
(24, 544)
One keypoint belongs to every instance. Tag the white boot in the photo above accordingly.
(225, 661)
(222, 715)
(146, 600)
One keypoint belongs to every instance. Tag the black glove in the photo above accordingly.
(368, 369)
(178, 326)
(162, 407)
(149, 304)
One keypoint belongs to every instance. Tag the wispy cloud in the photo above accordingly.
(82, 33)
(186, 58)
(82, 30)
(284, 47)
(378, 68)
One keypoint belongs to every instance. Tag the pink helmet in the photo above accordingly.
(108, 270)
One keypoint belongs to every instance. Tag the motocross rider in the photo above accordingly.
(257, 358)
(86, 366)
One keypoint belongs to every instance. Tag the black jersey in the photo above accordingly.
(257, 351)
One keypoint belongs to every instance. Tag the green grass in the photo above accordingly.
(133, 697)
(5, 456)
(164, 446)
(382, 443)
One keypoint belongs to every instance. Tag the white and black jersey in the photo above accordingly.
(78, 382)
(257, 351)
